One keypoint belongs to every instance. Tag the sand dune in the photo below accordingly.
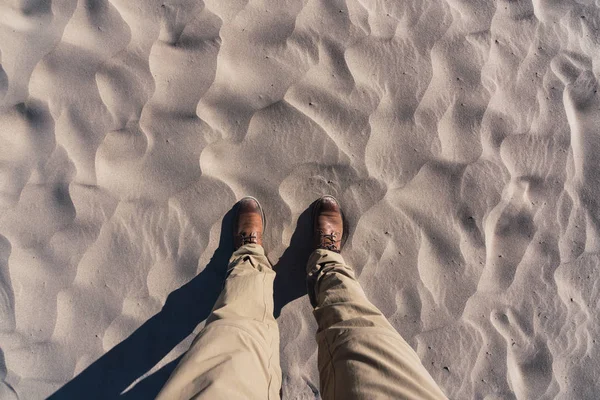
(462, 138)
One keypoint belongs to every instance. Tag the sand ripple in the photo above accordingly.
(461, 137)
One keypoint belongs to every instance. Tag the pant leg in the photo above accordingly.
(361, 356)
(236, 355)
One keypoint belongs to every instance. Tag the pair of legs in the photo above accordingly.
(236, 355)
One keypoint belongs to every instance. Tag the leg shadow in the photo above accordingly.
(149, 387)
(290, 281)
(184, 309)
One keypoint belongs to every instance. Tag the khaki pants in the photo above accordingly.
(236, 355)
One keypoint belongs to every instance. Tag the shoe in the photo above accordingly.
(248, 223)
(328, 224)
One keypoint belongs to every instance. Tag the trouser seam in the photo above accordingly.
(269, 362)
(332, 366)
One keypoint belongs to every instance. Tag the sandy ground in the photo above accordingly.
(462, 138)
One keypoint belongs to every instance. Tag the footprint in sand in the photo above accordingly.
(529, 363)
(508, 230)
(582, 107)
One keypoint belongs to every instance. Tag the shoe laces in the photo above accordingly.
(328, 241)
(248, 238)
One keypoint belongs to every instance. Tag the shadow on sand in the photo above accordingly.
(184, 309)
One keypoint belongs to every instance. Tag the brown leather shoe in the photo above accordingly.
(248, 223)
(328, 225)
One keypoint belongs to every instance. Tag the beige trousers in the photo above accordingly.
(236, 355)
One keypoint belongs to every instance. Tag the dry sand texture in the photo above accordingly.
(461, 136)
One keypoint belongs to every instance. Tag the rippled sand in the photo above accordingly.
(462, 138)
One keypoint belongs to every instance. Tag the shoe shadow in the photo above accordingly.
(290, 281)
(184, 309)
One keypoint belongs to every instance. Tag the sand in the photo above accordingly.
(461, 137)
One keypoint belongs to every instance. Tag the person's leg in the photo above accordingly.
(236, 355)
(361, 356)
